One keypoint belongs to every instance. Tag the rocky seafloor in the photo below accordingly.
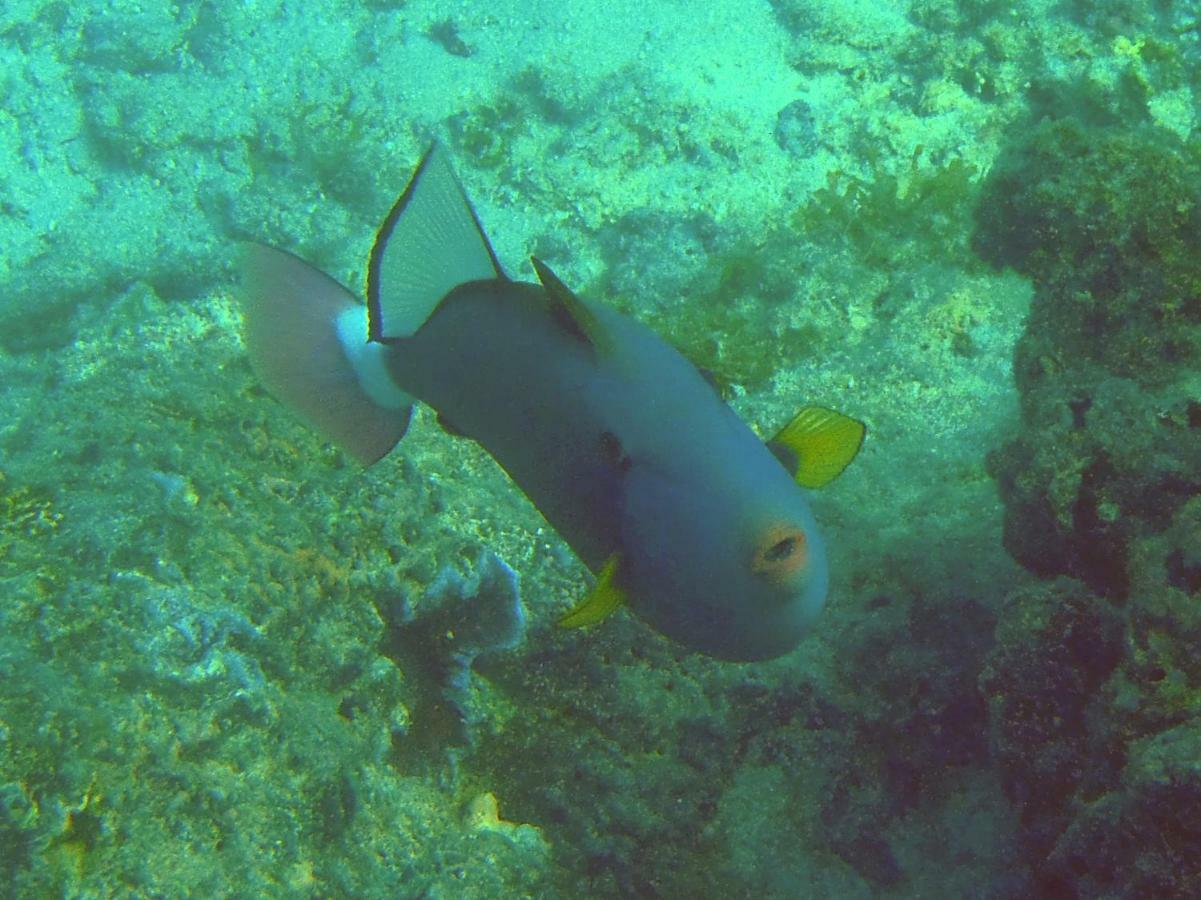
(234, 664)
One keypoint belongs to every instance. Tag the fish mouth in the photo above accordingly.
(780, 554)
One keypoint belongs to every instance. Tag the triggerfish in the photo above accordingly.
(626, 447)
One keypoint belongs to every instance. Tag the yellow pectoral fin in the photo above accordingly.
(822, 442)
(602, 600)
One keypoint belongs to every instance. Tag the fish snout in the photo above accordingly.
(780, 554)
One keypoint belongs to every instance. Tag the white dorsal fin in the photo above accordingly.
(430, 243)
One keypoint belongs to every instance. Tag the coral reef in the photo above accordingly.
(1107, 222)
(458, 620)
(232, 664)
(1095, 696)
(188, 699)
(1056, 646)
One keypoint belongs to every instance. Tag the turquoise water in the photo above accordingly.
(224, 648)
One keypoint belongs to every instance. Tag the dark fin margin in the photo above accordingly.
(385, 232)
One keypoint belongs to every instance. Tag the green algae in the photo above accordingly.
(25, 512)
(725, 332)
(486, 133)
(752, 288)
(883, 220)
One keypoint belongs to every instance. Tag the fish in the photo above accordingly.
(681, 512)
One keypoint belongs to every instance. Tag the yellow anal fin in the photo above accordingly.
(604, 598)
(821, 442)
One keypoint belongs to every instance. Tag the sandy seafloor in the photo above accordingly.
(208, 684)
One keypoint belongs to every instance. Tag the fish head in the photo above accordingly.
(731, 565)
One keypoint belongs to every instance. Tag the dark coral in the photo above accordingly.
(1107, 222)
(1144, 838)
(925, 727)
(1094, 683)
(461, 619)
(1056, 645)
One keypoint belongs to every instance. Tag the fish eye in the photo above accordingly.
(780, 552)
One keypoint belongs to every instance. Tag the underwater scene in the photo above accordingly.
(364, 534)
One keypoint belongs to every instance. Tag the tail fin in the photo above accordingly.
(307, 339)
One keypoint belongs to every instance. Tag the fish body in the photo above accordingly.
(622, 444)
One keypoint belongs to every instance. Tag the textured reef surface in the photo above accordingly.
(1093, 687)
(234, 664)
